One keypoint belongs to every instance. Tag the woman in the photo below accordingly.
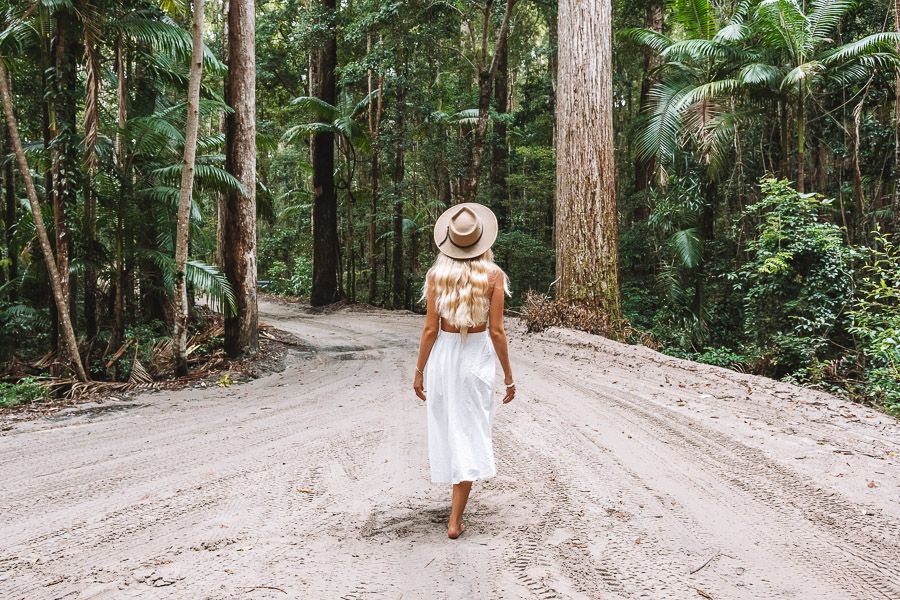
(461, 340)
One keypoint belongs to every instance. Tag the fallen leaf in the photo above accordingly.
(872, 484)
(304, 490)
(704, 594)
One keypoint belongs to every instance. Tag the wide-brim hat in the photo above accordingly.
(465, 230)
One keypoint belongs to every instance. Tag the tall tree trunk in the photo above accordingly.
(64, 155)
(182, 231)
(586, 224)
(118, 328)
(895, 221)
(858, 198)
(499, 151)
(397, 286)
(643, 171)
(241, 328)
(325, 227)
(89, 224)
(801, 141)
(65, 323)
(375, 107)
(487, 71)
(11, 216)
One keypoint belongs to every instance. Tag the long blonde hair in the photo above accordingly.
(461, 287)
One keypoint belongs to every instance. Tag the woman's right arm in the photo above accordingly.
(426, 342)
(498, 333)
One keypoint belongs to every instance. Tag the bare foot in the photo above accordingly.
(455, 532)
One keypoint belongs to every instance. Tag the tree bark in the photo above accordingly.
(586, 216)
(487, 71)
(801, 141)
(64, 143)
(66, 330)
(241, 328)
(182, 231)
(374, 128)
(398, 287)
(11, 216)
(118, 328)
(325, 226)
(643, 171)
(499, 151)
(895, 221)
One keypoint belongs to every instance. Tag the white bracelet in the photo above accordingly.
(510, 385)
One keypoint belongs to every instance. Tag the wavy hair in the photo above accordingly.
(461, 288)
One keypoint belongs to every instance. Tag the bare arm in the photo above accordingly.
(426, 342)
(498, 334)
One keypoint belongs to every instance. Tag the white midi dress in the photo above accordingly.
(459, 385)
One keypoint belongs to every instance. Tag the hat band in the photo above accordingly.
(447, 237)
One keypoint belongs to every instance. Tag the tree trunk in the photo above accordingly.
(182, 231)
(643, 171)
(65, 323)
(397, 286)
(64, 154)
(9, 184)
(486, 73)
(586, 216)
(499, 151)
(895, 221)
(801, 142)
(241, 328)
(374, 128)
(325, 227)
(858, 198)
(118, 328)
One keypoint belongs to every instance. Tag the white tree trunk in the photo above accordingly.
(586, 217)
(179, 335)
(59, 296)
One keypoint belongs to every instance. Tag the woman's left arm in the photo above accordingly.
(429, 335)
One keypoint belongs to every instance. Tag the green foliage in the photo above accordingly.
(295, 280)
(26, 390)
(798, 282)
(527, 261)
(875, 323)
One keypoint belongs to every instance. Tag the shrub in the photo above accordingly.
(797, 284)
(26, 390)
(875, 323)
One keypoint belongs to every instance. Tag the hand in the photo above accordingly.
(510, 391)
(419, 386)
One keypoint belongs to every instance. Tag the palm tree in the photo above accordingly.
(773, 52)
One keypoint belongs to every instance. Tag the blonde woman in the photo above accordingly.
(461, 341)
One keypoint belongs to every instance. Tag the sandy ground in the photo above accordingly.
(622, 474)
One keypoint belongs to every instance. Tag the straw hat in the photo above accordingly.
(465, 230)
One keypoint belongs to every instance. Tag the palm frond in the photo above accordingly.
(801, 73)
(317, 107)
(696, 17)
(306, 129)
(761, 74)
(885, 40)
(826, 15)
(647, 38)
(688, 247)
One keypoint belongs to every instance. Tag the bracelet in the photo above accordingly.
(419, 371)
(510, 385)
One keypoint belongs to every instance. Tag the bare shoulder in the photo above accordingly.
(496, 276)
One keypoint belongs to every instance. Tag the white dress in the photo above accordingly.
(459, 386)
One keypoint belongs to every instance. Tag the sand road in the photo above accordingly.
(623, 473)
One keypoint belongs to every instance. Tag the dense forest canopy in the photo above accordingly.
(751, 179)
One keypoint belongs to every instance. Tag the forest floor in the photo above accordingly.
(623, 473)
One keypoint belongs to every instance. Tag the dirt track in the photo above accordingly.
(622, 474)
